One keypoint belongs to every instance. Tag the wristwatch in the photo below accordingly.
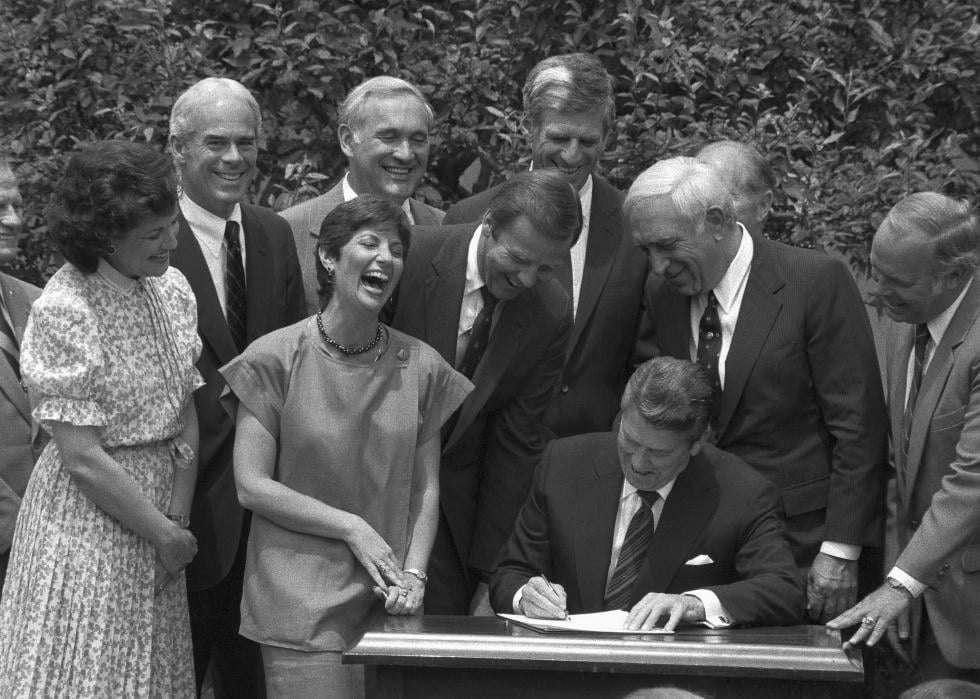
(182, 521)
(418, 574)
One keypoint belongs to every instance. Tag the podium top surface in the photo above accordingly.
(796, 652)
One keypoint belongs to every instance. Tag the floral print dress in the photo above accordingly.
(79, 616)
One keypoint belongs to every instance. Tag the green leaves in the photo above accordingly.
(854, 103)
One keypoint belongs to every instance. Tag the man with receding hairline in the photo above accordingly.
(785, 331)
(749, 177)
(925, 258)
(20, 440)
(569, 109)
(384, 130)
(241, 263)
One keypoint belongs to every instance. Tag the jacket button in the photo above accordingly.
(914, 523)
(564, 388)
(945, 567)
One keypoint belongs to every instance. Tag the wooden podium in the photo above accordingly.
(477, 657)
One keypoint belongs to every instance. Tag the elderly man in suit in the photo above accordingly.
(384, 130)
(483, 295)
(924, 259)
(568, 110)
(784, 333)
(241, 262)
(20, 441)
(676, 529)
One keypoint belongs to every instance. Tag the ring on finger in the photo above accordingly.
(382, 567)
(868, 622)
(402, 592)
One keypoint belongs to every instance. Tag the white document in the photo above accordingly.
(597, 622)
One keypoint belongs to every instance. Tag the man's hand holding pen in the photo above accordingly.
(542, 599)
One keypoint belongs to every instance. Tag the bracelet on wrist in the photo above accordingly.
(182, 521)
(422, 577)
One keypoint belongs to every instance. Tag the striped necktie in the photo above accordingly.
(919, 353)
(8, 341)
(632, 555)
(235, 285)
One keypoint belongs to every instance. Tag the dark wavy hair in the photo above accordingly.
(545, 198)
(672, 394)
(108, 189)
(343, 222)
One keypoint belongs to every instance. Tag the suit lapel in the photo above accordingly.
(936, 375)
(759, 310)
(258, 279)
(211, 323)
(599, 497)
(600, 251)
(672, 316)
(501, 353)
(688, 509)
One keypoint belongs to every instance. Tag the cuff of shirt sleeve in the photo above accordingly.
(849, 552)
(914, 587)
(715, 614)
(518, 596)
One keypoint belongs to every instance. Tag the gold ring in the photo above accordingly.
(869, 621)
(403, 592)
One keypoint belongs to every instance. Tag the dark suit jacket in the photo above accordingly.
(306, 218)
(274, 300)
(20, 441)
(610, 303)
(718, 507)
(802, 401)
(489, 457)
(935, 530)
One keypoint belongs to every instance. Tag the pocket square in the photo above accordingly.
(701, 560)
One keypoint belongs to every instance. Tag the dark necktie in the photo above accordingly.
(632, 555)
(565, 276)
(234, 285)
(479, 335)
(8, 343)
(919, 352)
(709, 350)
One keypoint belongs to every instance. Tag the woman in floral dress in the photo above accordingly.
(95, 603)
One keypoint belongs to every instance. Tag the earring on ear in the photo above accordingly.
(111, 250)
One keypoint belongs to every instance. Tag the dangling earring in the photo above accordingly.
(329, 272)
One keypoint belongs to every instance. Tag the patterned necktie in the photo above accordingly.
(709, 350)
(479, 335)
(633, 554)
(234, 285)
(8, 342)
(919, 352)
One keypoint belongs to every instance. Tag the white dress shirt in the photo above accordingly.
(349, 194)
(472, 302)
(209, 230)
(578, 250)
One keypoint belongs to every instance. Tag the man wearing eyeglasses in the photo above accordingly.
(485, 297)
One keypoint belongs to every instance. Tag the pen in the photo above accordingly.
(553, 590)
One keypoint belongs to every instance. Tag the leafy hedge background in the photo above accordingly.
(856, 103)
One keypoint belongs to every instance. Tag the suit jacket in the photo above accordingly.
(305, 219)
(610, 303)
(489, 457)
(274, 299)
(802, 401)
(20, 440)
(936, 499)
(718, 507)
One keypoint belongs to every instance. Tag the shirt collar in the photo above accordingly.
(208, 228)
(938, 325)
(114, 278)
(349, 194)
(473, 278)
(663, 491)
(727, 289)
